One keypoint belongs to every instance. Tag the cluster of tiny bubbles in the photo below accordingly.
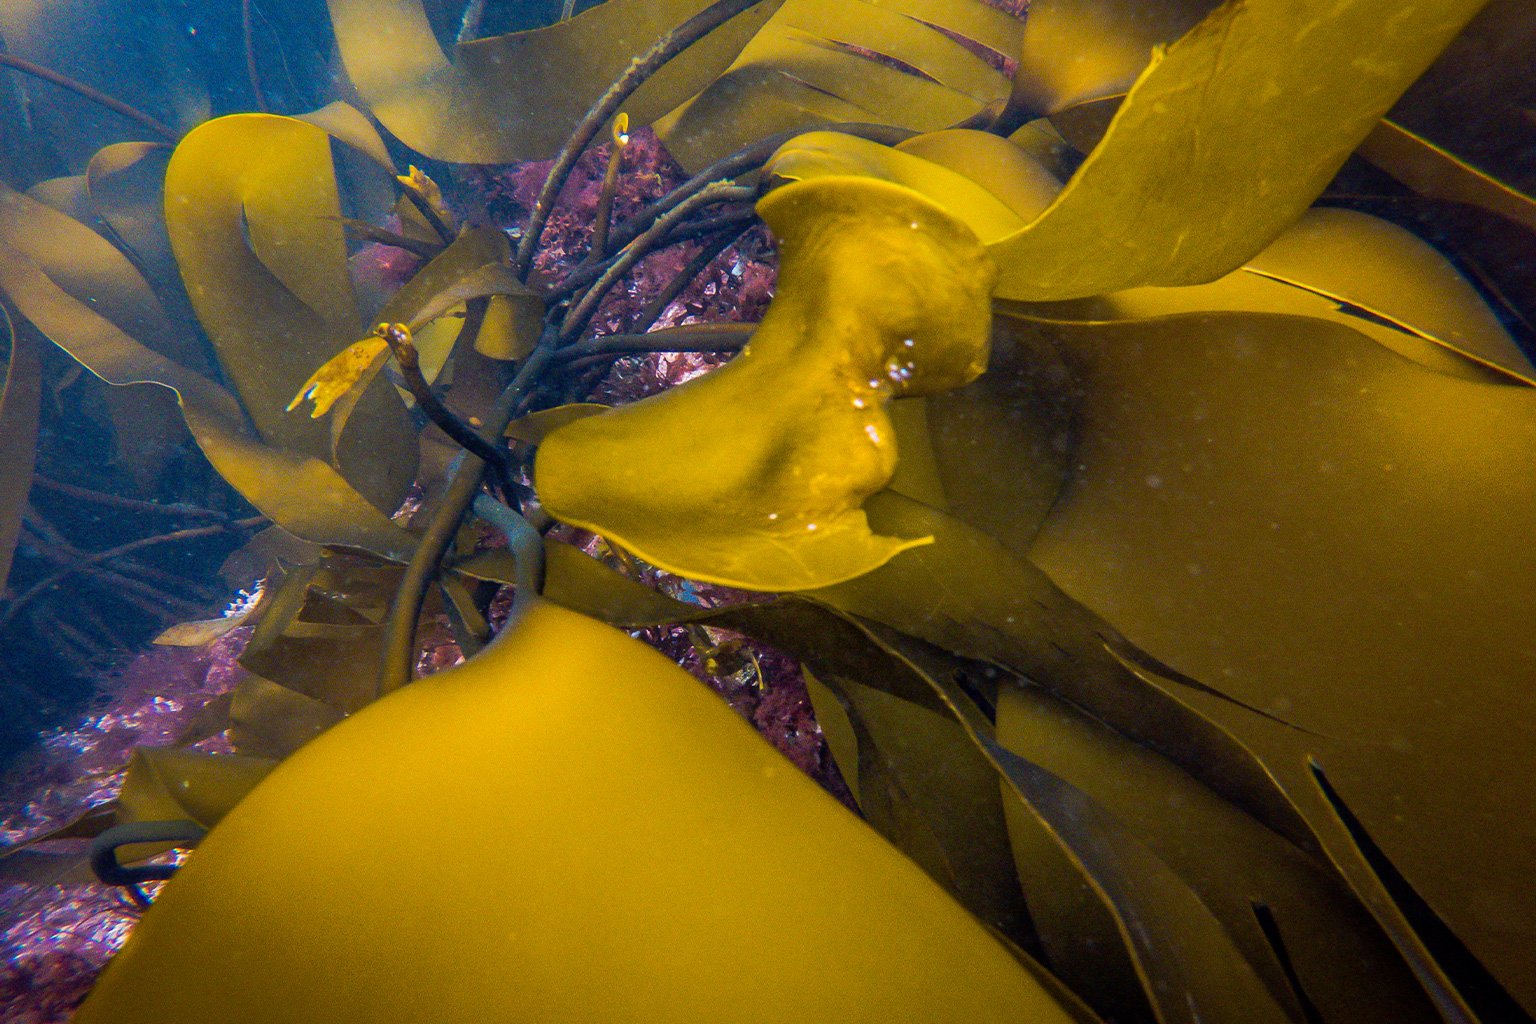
(898, 371)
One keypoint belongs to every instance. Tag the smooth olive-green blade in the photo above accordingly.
(133, 52)
(1327, 943)
(68, 196)
(923, 784)
(89, 269)
(1074, 51)
(1324, 531)
(170, 784)
(1348, 268)
(1387, 272)
(1461, 986)
(126, 186)
(968, 594)
(853, 53)
(20, 398)
(260, 556)
(517, 96)
(1023, 409)
(1475, 100)
(1225, 138)
(79, 258)
(254, 219)
(268, 720)
(303, 494)
(1189, 966)
(347, 124)
(1438, 173)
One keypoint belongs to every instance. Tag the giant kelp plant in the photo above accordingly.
(1134, 454)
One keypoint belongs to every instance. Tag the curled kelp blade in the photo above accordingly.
(20, 398)
(302, 494)
(848, 60)
(835, 154)
(1224, 139)
(1375, 501)
(1011, 171)
(253, 215)
(868, 307)
(517, 96)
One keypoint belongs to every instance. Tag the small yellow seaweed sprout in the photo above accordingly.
(339, 375)
(425, 189)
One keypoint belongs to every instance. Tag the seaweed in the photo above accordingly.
(1131, 455)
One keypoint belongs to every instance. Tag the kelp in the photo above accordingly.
(253, 216)
(777, 507)
(456, 109)
(1162, 600)
(847, 60)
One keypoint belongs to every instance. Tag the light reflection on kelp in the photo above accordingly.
(1130, 460)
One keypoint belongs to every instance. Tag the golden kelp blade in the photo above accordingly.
(566, 829)
(338, 376)
(753, 475)
(1225, 138)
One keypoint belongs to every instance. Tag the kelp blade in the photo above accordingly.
(1224, 140)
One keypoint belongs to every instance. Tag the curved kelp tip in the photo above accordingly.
(753, 476)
